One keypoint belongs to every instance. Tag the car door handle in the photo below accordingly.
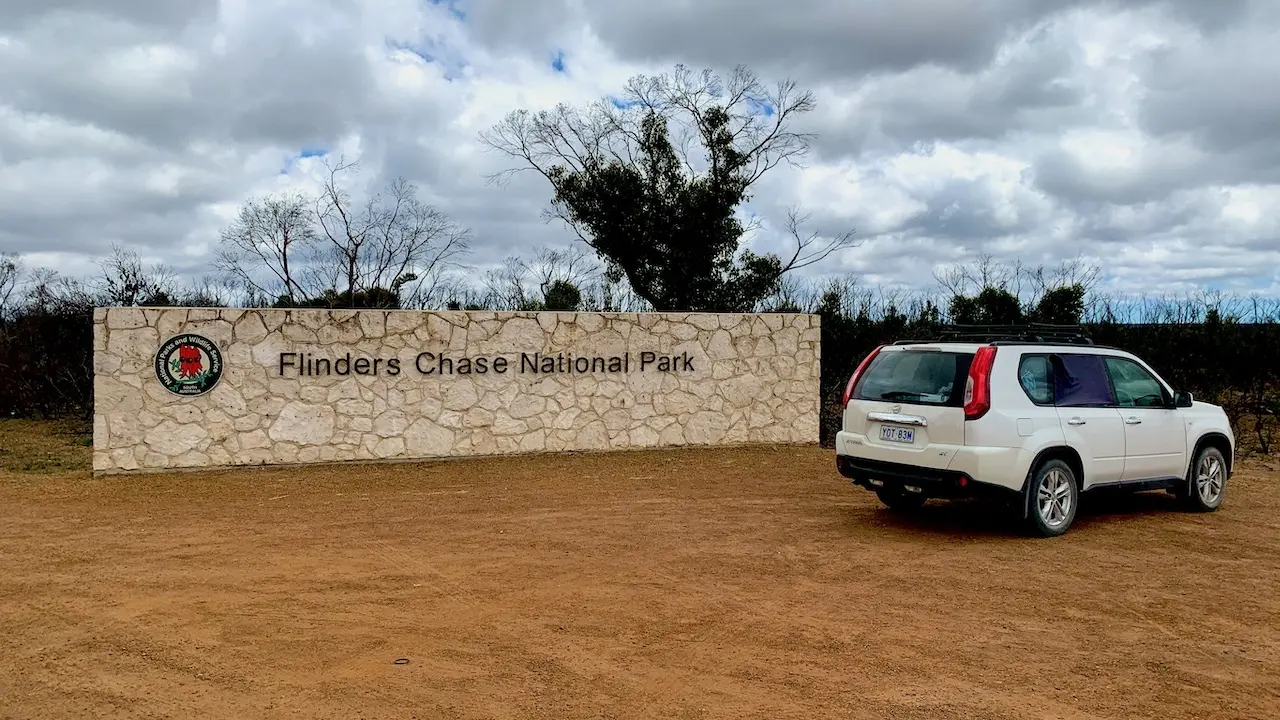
(1076, 421)
(1132, 421)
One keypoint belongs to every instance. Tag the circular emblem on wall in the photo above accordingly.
(189, 365)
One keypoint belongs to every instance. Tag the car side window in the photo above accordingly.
(1035, 374)
(1135, 387)
(1081, 381)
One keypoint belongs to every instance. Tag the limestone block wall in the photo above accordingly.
(194, 387)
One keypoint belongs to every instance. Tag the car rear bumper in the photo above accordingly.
(986, 465)
(873, 474)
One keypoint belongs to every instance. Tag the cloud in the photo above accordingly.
(1029, 85)
(817, 38)
(1140, 134)
(160, 14)
(826, 38)
(1218, 92)
(1094, 166)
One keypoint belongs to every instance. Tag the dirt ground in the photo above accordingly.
(737, 583)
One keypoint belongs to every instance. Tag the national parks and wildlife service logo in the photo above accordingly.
(189, 365)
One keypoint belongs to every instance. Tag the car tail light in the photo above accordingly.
(977, 389)
(853, 379)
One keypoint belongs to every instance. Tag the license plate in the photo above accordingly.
(897, 434)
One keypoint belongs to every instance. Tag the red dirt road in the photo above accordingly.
(736, 583)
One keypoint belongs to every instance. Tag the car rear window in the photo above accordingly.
(1035, 374)
(916, 377)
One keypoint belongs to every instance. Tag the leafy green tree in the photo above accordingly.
(654, 181)
(379, 298)
(1060, 306)
(563, 295)
(991, 306)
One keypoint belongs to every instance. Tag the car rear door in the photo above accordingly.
(908, 407)
(1091, 422)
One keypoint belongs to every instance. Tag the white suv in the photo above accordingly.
(1037, 421)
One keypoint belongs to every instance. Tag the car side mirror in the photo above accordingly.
(1182, 400)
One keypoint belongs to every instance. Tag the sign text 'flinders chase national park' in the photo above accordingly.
(428, 363)
(199, 387)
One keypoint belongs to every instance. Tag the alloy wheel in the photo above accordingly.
(1053, 498)
(1209, 479)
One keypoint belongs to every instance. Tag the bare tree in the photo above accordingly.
(609, 292)
(813, 247)
(267, 239)
(1263, 310)
(432, 288)
(10, 272)
(346, 230)
(611, 129)
(551, 265)
(890, 300)
(984, 271)
(47, 291)
(209, 292)
(1077, 271)
(465, 296)
(393, 240)
(508, 286)
(987, 272)
(954, 280)
(1034, 283)
(125, 282)
(796, 294)
(411, 240)
(843, 295)
(520, 283)
(1026, 282)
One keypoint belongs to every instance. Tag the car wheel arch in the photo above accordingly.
(1214, 439)
(1065, 453)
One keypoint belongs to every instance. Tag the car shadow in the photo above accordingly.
(958, 519)
(1103, 505)
(989, 519)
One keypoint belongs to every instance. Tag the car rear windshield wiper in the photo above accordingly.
(901, 395)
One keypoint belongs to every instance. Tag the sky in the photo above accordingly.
(1138, 135)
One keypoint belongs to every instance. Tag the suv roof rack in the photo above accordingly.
(1022, 334)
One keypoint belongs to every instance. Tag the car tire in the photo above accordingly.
(899, 500)
(1052, 497)
(1206, 486)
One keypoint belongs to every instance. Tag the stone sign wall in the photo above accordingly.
(192, 387)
